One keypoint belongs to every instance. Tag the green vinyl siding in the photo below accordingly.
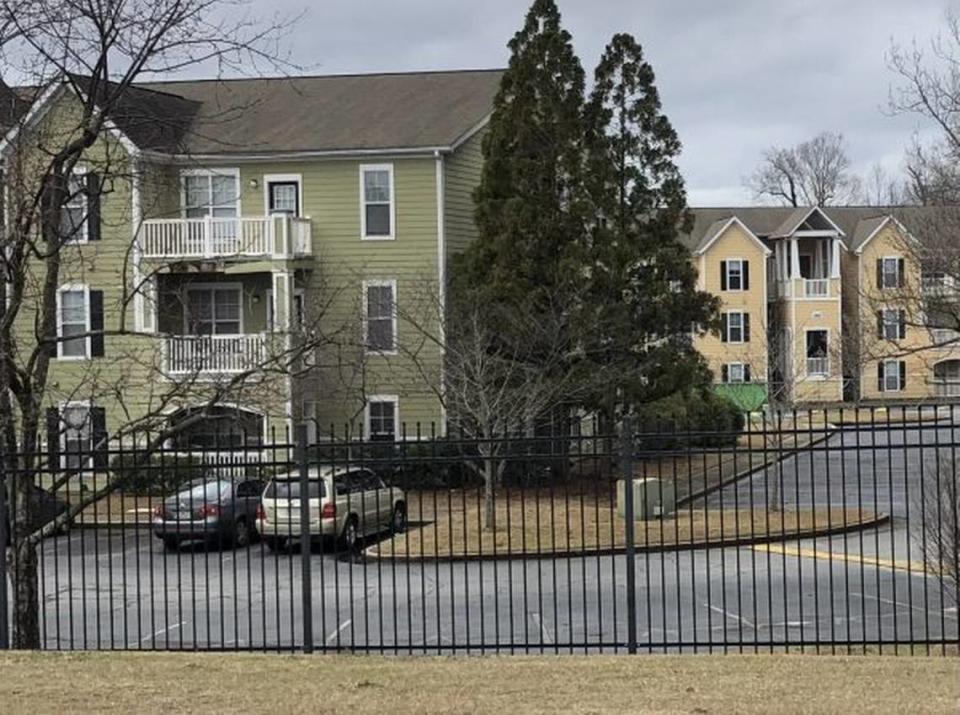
(461, 177)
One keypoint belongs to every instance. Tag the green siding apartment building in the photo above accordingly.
(276, 247)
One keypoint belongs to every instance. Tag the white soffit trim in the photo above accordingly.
(723, 229)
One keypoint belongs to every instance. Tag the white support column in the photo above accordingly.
(282, 301)
(835, 258)
(794, 257)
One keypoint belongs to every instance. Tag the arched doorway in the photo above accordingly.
(946, 378)
(218, 427)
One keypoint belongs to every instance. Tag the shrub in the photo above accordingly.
(157, 476)
(696, 419)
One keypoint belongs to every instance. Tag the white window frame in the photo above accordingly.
(83, 235)
(806, 335)
(62, 437)
(210, 286)
(739, 262)
(895, 324)
(282, 179)
(886, 375)
(743, 373)
(883, 272)
(740, 313)
(226, 171)
(392, 284)
(71, 288)
(364, 168)
(395, 399)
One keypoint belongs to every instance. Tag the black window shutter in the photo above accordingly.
(723, 329)
(899, 273)
(725, 373)
(903, 324)
(98, 420)
(903, 375)
(879, 273)
(96, 323)
(746, 327)
(723, 275)
(880, 330)
(746, 275)
(880, 376)
(746, 373)
(93, 206)
(53, 437)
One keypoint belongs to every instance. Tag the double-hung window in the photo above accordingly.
(380, 316)
(382, 418)
(377, 210)
(890, 272)
(214, 310)
(733, 274)
(736, 327)
(74, 323)
(892, 324)
(73, 213)
(891, 375)
(210, 193)
(736, 372)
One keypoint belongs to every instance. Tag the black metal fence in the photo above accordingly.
(831, 530)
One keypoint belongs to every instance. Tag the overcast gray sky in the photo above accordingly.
(735, 77)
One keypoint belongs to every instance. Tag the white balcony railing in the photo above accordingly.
(816, 287)
(278, 236)
(819, 366)
(212, 355)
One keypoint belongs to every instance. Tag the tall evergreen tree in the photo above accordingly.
(530, 194)
(642, 298)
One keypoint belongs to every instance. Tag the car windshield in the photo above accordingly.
(290, 489)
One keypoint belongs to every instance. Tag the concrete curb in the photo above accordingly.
(685, 500)
(373, 553)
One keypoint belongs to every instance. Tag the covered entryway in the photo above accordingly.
(216, 428)
(946, 378)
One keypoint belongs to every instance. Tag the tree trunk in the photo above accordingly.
(26, 601)
(489, 507)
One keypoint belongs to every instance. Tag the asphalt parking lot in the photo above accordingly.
(118, 588)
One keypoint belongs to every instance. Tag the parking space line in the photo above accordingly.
(333, 636)
(900, 604)
(544, 633)
(732, 616)
(894, 565)
(174, 627)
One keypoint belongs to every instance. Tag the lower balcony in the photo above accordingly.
(212, 356)
(278, 236)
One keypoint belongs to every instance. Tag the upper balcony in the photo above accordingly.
(805, 267)
(810, 288)
(260, 237)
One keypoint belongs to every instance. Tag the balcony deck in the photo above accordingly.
(212, 356)
(278, 236)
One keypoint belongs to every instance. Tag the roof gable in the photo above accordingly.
(718, 228)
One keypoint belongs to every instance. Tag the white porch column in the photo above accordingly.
(835, 258)
(794, 257)
(282, 301)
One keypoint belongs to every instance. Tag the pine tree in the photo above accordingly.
(642, 298)
(529, 197)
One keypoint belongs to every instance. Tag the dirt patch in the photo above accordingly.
(449, 524)
(202, 683)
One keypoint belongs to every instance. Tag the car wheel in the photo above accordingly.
(241, 533)
(351, 535)
(275, 544)
(171, 543)
(398, 522)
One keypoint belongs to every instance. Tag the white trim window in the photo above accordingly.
(283, 194)
(207, 192)
(382, 418)
(892, 375)
(377, 202)
(74, 212)
(73, 319)
(214, 309)
(890, 267)
(380, 316)
(735, 373)
(893, 326)
(734, 274)
(736, 327)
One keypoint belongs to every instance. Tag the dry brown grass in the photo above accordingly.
(449, 524)
(117, 509)
(208, 683)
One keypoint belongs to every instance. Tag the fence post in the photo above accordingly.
(305, 543)
(4, 538)
(626, 468)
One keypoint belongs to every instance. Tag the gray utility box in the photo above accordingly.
(652, 498)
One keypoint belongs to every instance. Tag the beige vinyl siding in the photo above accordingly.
(735, 243)
(462, 175)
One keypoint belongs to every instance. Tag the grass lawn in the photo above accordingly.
(179, 683)
(449, 524)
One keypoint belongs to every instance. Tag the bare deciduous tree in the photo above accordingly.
(813, 173)
(938, 529)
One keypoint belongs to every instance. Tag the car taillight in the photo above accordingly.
(329, 510)
(208, 510)
(261, 514)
